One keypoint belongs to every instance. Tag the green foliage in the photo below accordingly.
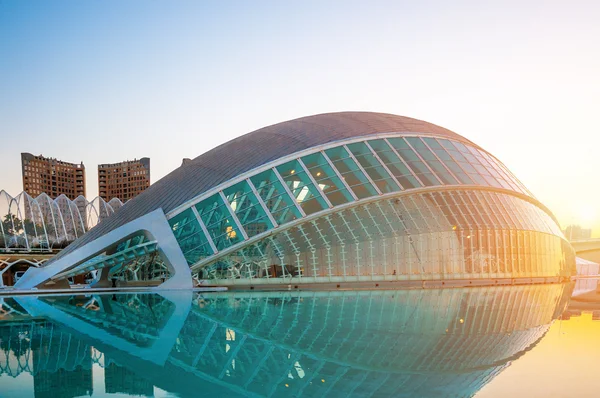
(12, 225)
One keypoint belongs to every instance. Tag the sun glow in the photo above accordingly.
(586, 214)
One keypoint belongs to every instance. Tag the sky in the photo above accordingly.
(106, 81)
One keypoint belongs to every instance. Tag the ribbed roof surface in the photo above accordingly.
(252, 150)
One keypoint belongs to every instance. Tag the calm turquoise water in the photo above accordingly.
(493, 341)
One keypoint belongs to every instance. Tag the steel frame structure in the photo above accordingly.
(306, 204)
(48, 223)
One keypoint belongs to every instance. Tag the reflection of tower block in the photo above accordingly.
(120, 380)
(72, 380)
(596, 316)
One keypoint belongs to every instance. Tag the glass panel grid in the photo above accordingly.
(395, 164)
(248, 209)
(408, 237)
(275, 197)
(327, 179)
(397, 186)
(448, 161)
(432, 160)
(476, 167)
(350, 171)
(356, 171)
(302, 187)
(367, 161)
(219, 222)
(414, 161)
(190, 236)
(340, 177)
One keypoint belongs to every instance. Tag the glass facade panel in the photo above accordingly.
(354, 177)
(444, 235)
(327, 179)
(467, 162)
(504, 175)
(442, 173)
(247, 208)
(445, 157)
(275, 197)
(413, 161)
(395, 164)
(219, 223)
(354, 171)
(472, 156)
(373, 168)
(301, 186)
(190, 236)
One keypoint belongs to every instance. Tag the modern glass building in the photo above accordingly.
(332, 198)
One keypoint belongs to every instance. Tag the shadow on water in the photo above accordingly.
(435, 342)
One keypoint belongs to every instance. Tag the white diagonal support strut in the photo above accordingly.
(262, 203)
(205, 230)
(233, 215)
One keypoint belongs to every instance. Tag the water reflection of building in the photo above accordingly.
(63, 383)
(331, 199)
(447, 342)
(120, 380)
(574, 313)
(61, 364)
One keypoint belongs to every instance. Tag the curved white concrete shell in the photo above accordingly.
(344, 197)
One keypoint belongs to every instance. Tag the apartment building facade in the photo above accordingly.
(124, 180)
(52, 176)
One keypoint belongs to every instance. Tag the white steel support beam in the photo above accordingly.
(384, 165)
(308, 151)
(456, 161)
(362, 169)
(20, 216)
(62, 219)
(440, 160)
(404, 162)
(317, 187)
(287, 190)
(72, 218)
(391, 195)
(233, 215)
(154, 223)
(262, 203)
(204, 230)
(424, 162)
(336, 171)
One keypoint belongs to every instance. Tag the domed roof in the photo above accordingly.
(255, 149)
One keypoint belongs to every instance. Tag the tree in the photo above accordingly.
(12, 225)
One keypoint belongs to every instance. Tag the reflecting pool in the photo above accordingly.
(422, 342)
